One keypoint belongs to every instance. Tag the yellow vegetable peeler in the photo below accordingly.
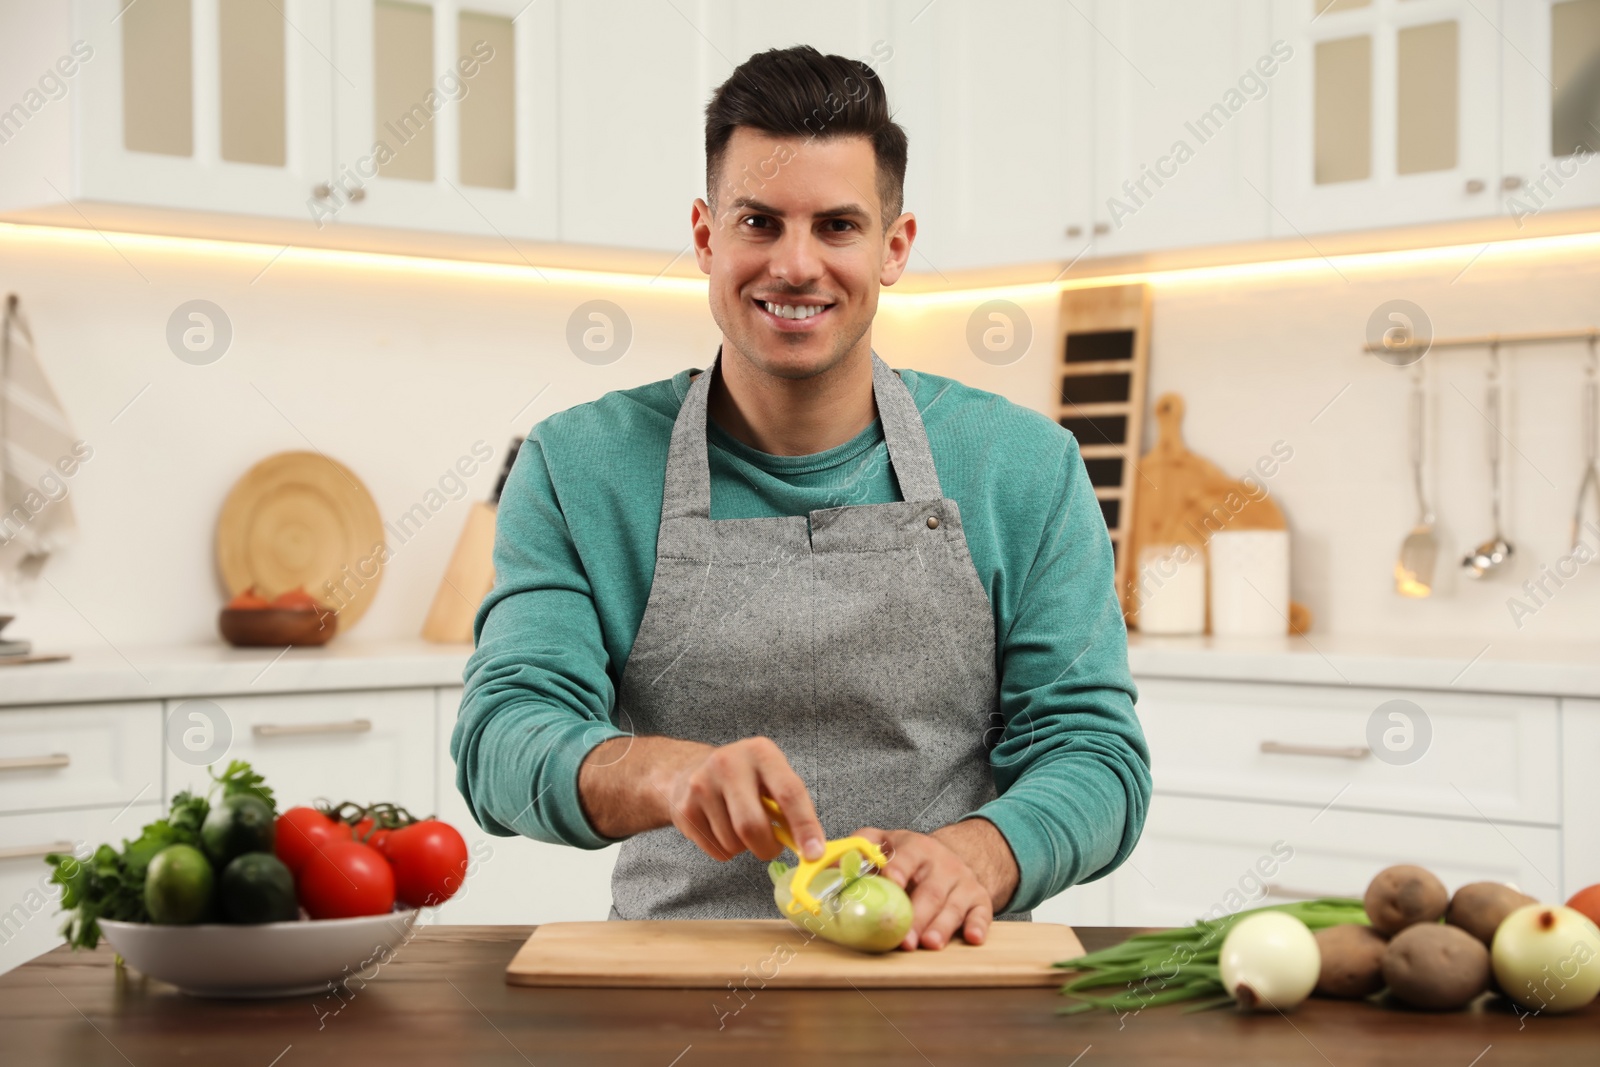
(805, 870)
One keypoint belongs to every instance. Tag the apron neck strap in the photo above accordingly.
(688, 483)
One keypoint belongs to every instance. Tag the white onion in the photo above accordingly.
(1270, 960)
(1547, 958)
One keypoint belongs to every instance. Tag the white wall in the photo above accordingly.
(1257, 360)
(397, 372)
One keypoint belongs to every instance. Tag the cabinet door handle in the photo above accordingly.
(1285, 748)
(1102, 228)
(28, 852)
(1510, 182)
(1475, 186)
(35, 763)
(1074, 231)
(349, 726)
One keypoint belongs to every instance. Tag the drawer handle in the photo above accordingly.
(1289, 892)
(349, 726)
(35, 763)
(1284, 748)
(28, 852)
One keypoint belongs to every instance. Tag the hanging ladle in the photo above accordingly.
(1413, 571)
(1589, 487)
(1493, 553)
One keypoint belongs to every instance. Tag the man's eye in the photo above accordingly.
(840, 225)
(756, 221)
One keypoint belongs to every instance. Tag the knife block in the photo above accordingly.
(467, 580)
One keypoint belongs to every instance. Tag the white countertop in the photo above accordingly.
(1468, 665)
(152, 673)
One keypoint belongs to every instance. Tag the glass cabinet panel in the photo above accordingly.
(1343, 110)
(1575, 73)
(1428, 98)
(158, 77)
(402, 76)
(254, 103)
(488, 105)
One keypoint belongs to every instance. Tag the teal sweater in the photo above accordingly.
(574, 555)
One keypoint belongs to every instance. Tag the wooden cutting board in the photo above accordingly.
(1184, 499)
(772, 953)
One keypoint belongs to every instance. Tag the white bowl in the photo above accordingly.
(264, 959)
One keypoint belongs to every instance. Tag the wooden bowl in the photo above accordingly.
(275, 627)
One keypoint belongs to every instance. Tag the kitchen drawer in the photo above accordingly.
(1580, 830)
(362, 746)
(29, 919)
(79, 756)
(1489, 756)
(515, 880)
(1198, 856)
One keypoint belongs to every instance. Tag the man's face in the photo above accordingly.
(797, 249)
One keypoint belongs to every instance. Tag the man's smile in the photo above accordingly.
(794, 314)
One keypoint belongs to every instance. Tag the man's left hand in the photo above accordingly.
(957, 878)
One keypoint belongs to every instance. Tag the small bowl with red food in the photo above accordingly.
(295, 617)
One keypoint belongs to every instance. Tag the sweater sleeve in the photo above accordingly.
(1071, 765)
(538, 692)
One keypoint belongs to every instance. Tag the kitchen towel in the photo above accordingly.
(38, 452)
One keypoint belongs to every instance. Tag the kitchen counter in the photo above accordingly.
(1545, 668)
(444, 1000)
(177, 671)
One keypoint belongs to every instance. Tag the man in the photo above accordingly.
(881, 598)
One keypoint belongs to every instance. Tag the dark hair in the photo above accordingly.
(801, 92)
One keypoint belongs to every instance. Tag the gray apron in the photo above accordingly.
(859, 639)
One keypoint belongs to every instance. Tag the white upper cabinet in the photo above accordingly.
(1182, 93)
(1551, 71)
(1002, 151)
(202, 105)
(1040, 131)
(633, 93)
(446, 117)
(1390, 113)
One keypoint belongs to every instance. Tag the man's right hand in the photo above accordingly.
(711, 793)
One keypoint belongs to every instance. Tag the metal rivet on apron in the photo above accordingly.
(933, 522)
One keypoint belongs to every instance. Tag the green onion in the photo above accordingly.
(1167, 966)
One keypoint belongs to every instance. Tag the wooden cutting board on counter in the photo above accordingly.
(1184, 498)
(772, 953)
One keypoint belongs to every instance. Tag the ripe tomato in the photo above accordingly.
(249, 600)
(297, 599)
(429, 860)
(301, 832)
(345, 879)
(1587, 901)
(364, 832)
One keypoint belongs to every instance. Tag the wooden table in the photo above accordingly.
(443, 1000)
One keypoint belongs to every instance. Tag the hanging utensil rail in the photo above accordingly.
(1554, 337)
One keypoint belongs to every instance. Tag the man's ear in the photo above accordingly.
(897, 243)
(701, 219)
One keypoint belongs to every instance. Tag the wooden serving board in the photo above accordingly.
(1184, 499)
(768, 953)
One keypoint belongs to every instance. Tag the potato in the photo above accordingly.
(1403, 895)
(1480, 907)
(1352, 961)
(1437, 967)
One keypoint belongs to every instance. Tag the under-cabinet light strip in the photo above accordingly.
(1455, 257)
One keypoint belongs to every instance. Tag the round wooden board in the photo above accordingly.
(302, 519)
